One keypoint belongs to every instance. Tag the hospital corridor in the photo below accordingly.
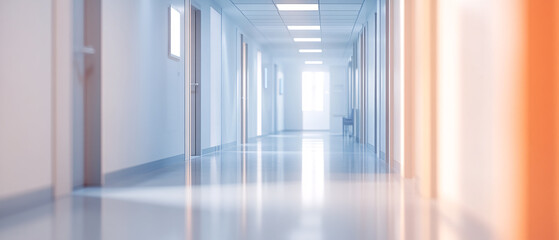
(279, 119)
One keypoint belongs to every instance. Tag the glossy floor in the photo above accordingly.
(288, 186)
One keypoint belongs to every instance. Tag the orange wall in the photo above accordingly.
(422, 79)
(557, 117)
(465, 81)
(540, 80)
(482, 112)
(408, 89)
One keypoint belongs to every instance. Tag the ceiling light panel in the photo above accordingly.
(307, 39)
(313, 62)
(304, 34)
(305, 23)
(299, 13)
(297, 7)
(303, 28)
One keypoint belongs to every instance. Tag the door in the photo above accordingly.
(86, 119)
(244, 90)
(195, 93)
(274, 100)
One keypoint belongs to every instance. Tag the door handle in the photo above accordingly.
(194, 84)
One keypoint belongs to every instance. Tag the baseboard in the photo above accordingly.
(370, 147)
(22, 202)
(131, 172)
(253, 139)
(211, 149)
(227, 146)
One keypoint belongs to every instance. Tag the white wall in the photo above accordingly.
(215, 79)
(372, 121)
(252, 63)
(142, 88)
(268, 97)
(398, 87)
(338, 97)
(25, 96)
(267, 93)
(253, 48)
(229, 81)
(293, 117)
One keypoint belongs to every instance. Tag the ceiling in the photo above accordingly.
(338, 19)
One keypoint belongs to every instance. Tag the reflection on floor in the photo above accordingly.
(289, 186)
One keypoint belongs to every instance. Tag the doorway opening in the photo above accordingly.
(195, 91)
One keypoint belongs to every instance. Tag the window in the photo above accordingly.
(313, 91)
(174, 33)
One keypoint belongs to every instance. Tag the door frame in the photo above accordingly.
(194, 82)
(244, 88)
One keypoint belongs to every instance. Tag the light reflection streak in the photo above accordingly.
(312, 172)
(188, 200)
(243, 234)
(259, 183)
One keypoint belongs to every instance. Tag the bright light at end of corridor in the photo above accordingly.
(310, 50)
(297, 7)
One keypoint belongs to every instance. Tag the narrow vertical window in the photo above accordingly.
(174, 33)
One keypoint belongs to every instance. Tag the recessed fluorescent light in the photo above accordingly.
(310, 50)
(303, 27)
(297, 7)
(313, 62)
(307, 39)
